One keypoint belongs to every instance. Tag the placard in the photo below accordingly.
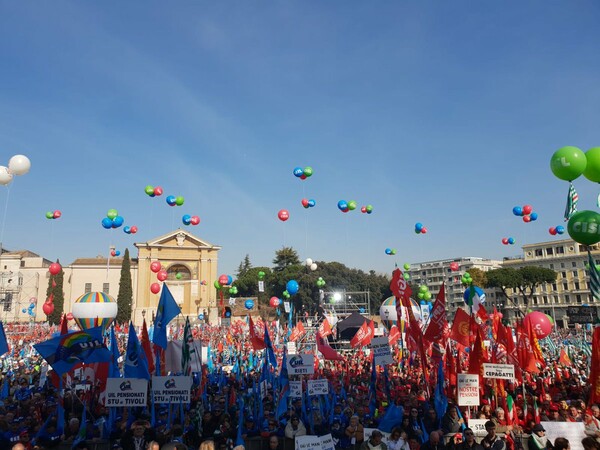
(318, 387)
(382, 354)
(327, 442)
(302, 364)
(295, 389)
(286, 307)
(468, 389)
(308, 443)
(385, 437)
(574, 432)
(261, 286)
(499, 371)
(171, 389)
(291, 348)
(478, 427)
(126, 392)
(425, 313)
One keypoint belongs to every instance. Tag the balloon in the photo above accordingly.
(200, 316)
(158, 191)
(406, 266)
(155, 266)
(170, 200)
(117, 222)
(342, 205)
(351, 205)
(388, 251)
(304, 202)
(54, 269)
(70, 316)
(534, 216)
(261, 275)
(309, 261)
(217, 285)
(550, 319)
(584, 227)
(283, 215)
(478, 297)
(195, 220)
(155, 288)
(186, 219)
(560, 229)
(393, 251)
(19, 164)
(179, 276)
(505, 241)
(423, 230)
(249, 304)
(133, 229)
(423, 288)
(56, 214)
(5, 176)
(303, 177)
(552, 231)
(421, 295)
(511, 241)
(162, 275)
(223, 280)
(369, 209)
(292, 287)
(527, 209)
(418, 226)
(518, 211)
(298, 172)
(230, 280)
(48, 308)
(363, 209)
(406, 276)
(427, 296)
(107, 223)
(526, 219)
(274, 302)
(94, 309)
(49, 215)
(568, 163)
(149, 190)
(127, 230)
(454, 266)
(308, 171)
(540, 324)
(112, 213)
(311, 203)
(24, 310)
(33, 300)
(313, 267)
(179, 200)
(592, 169)
(113, 253)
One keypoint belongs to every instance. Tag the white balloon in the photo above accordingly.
(309, 261)
(313, 266)
(19, 164)
(5, 176)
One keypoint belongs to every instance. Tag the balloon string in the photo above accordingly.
(4, 218)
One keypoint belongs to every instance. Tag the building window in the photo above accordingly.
(564, 274)
(105, 287)
(545, 300)
(575, 274)
(88, 288)
(7, 301)
(566, 299)
(577, 286)
(535, 301)
(554, 286)
(562, 265)
(565, 286)
(20, 281)
(578, 297)
(552, 266)
(539, 252)
(549, 251)
(560, 250)
(574, 264)
(22, 263)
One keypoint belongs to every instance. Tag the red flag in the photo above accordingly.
(482, 313)
(525, 353)
(564, 358)
(461, 327)
(64, 328)
(297, 331)
(437, 321)
(324, 328)
(595, 369)
(363, 336)
(477, 357)
(257, 342)
(496, 322)
(145, 343)
(400, 289)
(328, 353)
(394, 335)
(535, 344)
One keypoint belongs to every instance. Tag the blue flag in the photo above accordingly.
(269, 344)
(64, 352)
(3, 342)
(136, 365)
(440, 400)
(167, 310)
(114, 371)
(82, 433)
(391, 418)
(239, 440)
(284, 389)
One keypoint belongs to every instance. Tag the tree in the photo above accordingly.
(284, 258)
(125, 297)
(244, 266)
(524, 280)
(247, 283)
(479, 276)
(55, 290)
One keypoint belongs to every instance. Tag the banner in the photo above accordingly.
(291, 348)
(382, 353)
(261, 286)
(572, 431)
(295, 389)
(499, 371)
(126, 392)
(315, 442)
(301, 364)
(468, 389)
(318, 387)
(172, 389)
(478, 427)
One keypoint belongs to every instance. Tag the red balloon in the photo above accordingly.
(133, 229)
(363, 209)
(505, 241)
(158, 191)
(54, 268)
(552, 231)
(162, 275)
(48, 308)
(195, 220)
(423, 230)
(70, 316)
(526, 219)
(56, 214)
(527, 209)
(305, 202)
(113, 253)
(303, 177)
(454, 266)
(540, 324)
(274, 302)
(223, 280)
(283, 215)
(155, 266)
(155, 288)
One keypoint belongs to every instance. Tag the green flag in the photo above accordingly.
(187, 348)
(594, 277)
(572, 199)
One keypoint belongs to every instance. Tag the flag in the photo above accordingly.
(328, 353)
(471, 296)
(594, 277)
(394, 335)
(510, 410)
(440, 400)
(536, 411)
(297, 332)
(145, 342)
(461, 327)
(595, 369)
(564, 358)
(135, 365)
(64, 352)
(437, 321)
(257, 342)
(284, 389)
(393, 416)
(363, 336)
(325, 328)
(4, 348)
(525, 355)
(476, 356)
(187, 349)
(167, 310)
(64, 326)
(401, 290)
(114, 371)
(373, 388)
(82, 433)
(269, 345)
(239, 441)
(572, 199)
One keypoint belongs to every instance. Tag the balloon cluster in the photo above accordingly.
(152, 191)
(320, 282)
(115, 253)
(308, 203)
(568, 163)
(175, 200)
(112, 220)
(56, 214)
(130, 230)
(366, 209)
(556, 230)
(390, 251)
(345, 206)
(261, 275)
(17, 165)
(419, 228)
(274, 302)
(525, 211)
(466, 279)
(30, 309)
(303, 174)
(454, 266)
(48, 306)
(224, 280)
(311, 264)
(508, 241)
(283, 215)
(161, 275)
(406, 275)
(190, 220)
(233, 290)
(424, 293)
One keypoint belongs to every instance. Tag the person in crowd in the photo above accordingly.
(274, 442)
(573, 414)
(434, 442)
(398, 440)
(538, 439)
(294, 428)
(561, 443)
(469, 442)
(554, 414)
(374, 442)
(589, 443)
(492, 441)
(431, 422)
(591, 425)
(355, 432)
(499, 418)
(451, 423)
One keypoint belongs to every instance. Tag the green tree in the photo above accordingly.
(244, 266)
(284, 258)
(55, 289)
(247, 283)
(479, 276)
(125, 296)
(523, 281)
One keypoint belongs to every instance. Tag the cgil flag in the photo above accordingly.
(167, 310)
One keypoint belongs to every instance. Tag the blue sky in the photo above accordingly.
(444, 113)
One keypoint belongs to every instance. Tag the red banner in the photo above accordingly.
(325, 328)
(364, 335)
(297, 331)
(461, 327)
(595, 370)
(394, 335)
(257, 342)
(437, 321)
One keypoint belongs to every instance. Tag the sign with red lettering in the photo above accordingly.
(468, 389)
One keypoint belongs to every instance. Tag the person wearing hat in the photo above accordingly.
(294, 428)
(591, 425)
(469, 442)
(492, 441)
(554, 414)
(538, 439)
(374, 442)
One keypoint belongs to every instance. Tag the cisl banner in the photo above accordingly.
(126, 392)
(172, 389)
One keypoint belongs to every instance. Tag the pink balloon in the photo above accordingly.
(283, 215)
(195, 220)
(70, 316)
(274, 302)
(162, 275)
(155, 266)
(363, 209)
(155, 288)
(158, 191)
(223, 280)
(423, 230)
(552, 231)
(56, 214)
(526, 219)
(133, 229)
(527, 209)
(48, 308)
(505, 241)
(113, 253)
(454, 266)
(304, 202)
(54, 268)
(540, 324)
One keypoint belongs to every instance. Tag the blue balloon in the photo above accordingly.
(479, 294)
(342, 205)
(361, 310)
(127, 230)
(518, 211)
(560, 229)
(170, 200)
(229, 280)
(418, 226)
(511, 241)
(430, 307)
(388, 251)
(298, 172)
(186, 219)
(31, 313)
(107, 223)
(23, 310)
(533, 216)
(311, 203)
(249, 304)
(31, 305)
(228, 313)
(117, 222)
(292, 287)
(422, 302)
(201, 316)
(117, 253)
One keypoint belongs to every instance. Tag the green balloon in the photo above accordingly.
(369, 208)
(49, 215)
(423, 288)
(421, 295)
(467, 275)
(592, 169)
(217, 285)
(178, 276)
(568, 163)
(308, 171)
(149, 190)
(179, 200)
(584, 227)
(352, 205)
(427, 296)
(406, 266)
(393, 251)
(261, 275)
(406, 276)
(463, 280)
(550, 319)
(112, 213)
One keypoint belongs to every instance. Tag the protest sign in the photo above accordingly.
(171, 389)
(478, 427)
(308, 443)
(318, 387)
(295, 389)
(126, 392)
(468, 389)
(499, 371)
(382, 353)
(574, 432)
(302, 364)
